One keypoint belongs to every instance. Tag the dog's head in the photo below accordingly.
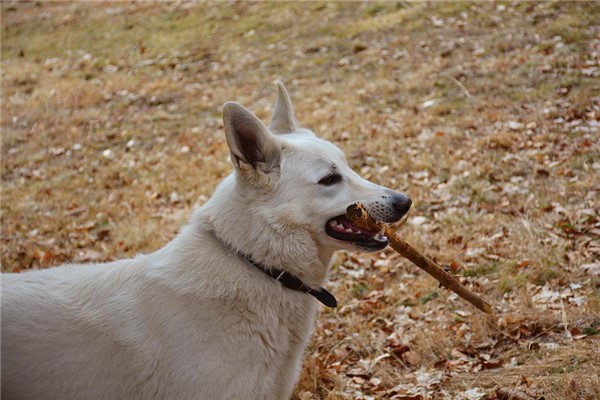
(297, 181)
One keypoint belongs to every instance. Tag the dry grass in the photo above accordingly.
(485, 113)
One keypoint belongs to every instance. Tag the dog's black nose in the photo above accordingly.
(394, 207)
(401, 204)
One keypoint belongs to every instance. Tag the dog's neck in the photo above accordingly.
(291, 249)
(285, 278)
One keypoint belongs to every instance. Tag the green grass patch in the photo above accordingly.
(570, 28)
(542, 275)
(480, 270)
(375, 9)
(428, 297)
(591, 330)
(408, 302)
(507, 283)
(359, 290)
(449, 106)
(556, 370)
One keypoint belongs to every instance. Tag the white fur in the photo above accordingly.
(192, 320)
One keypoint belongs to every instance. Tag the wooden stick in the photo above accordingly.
(358, 215)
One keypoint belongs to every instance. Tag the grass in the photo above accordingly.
(111, 135)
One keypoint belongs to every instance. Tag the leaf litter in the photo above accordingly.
(110, 141)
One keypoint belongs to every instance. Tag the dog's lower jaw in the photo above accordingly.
(366, 248)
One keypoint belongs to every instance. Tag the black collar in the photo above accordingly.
(291, 282)
(285, 278)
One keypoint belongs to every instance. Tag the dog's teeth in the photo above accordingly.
(379, 237)
(332, 224)
(349, 230)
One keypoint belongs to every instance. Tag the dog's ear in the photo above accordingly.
(255, 152)
(283, 119)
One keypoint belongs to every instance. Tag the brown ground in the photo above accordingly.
(486, 114)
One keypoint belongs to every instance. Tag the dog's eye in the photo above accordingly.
(330, 180)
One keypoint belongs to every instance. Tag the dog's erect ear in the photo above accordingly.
(255, 151)
(283, 119)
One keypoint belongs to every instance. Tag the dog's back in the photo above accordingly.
(131, 330)
(60, 324)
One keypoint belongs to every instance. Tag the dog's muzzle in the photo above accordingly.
(390, 209)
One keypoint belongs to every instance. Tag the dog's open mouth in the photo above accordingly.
(341, 228)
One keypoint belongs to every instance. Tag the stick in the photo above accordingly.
(358, 215)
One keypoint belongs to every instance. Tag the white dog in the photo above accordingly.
(225, 310)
